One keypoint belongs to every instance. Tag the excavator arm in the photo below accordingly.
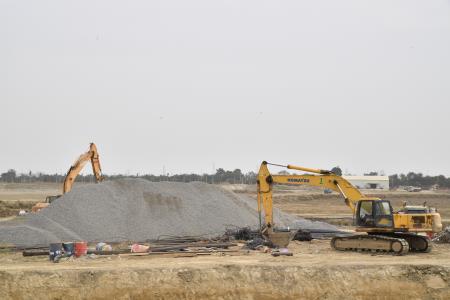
(92, 156)
(324, 179)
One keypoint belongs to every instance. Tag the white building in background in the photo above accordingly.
(369, 182)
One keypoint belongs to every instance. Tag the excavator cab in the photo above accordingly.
(374, 214)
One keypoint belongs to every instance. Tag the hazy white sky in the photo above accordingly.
(194, 84)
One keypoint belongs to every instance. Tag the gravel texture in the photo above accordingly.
(138, 210)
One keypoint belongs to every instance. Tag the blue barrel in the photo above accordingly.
(68, 248)
(54, 251)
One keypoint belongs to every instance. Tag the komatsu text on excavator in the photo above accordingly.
(388, 231)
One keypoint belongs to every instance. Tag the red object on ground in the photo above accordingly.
(136, 248)
(80, 249)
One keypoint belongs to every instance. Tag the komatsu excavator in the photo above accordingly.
(387, 231)
(92, 156)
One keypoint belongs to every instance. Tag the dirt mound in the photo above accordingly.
(138, 210)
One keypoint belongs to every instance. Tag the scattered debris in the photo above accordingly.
(281, 252)
(303, 235)
(258, 243)
(103, 247)
(443, 236)
(243, 234)
(22, 212)
(57, 251)
(136, 248)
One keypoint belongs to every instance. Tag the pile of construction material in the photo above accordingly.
(58, 252)
(140, 210)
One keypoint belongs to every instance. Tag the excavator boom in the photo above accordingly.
(75, 169)
(326, 180)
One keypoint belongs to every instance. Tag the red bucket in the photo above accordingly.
(80, 249)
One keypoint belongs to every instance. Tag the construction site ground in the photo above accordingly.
(315, 271)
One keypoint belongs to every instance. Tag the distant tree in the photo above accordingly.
(403, 179)
(441, 181)
(250, 177)
(237, 176)
(220, 172)
(9, 176)
(337, 170)
(417, 179)
(394, 181)
(222, 176)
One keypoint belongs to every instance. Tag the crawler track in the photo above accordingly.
(417, 243)
(371, 243)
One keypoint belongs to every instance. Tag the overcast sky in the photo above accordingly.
(192, 85)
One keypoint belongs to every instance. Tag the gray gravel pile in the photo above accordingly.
(137, 210)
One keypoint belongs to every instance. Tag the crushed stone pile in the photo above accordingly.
(140, 210)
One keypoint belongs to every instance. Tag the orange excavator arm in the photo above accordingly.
(75, 169)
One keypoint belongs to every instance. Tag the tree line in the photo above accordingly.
(419, 180)
(223, 176)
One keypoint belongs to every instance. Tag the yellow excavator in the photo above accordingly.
(386, 230)
(92, 156)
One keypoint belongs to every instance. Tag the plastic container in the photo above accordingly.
(69, 248)
(80, 249)
(136, 248)
(103, 247)
(54, 251)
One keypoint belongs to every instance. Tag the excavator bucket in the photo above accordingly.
(280, 239)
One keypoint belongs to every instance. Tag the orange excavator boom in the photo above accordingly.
(92, 156)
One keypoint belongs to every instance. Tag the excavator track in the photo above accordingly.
(371, 243)
(417, 243)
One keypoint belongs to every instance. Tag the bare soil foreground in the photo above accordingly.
(315, 271)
